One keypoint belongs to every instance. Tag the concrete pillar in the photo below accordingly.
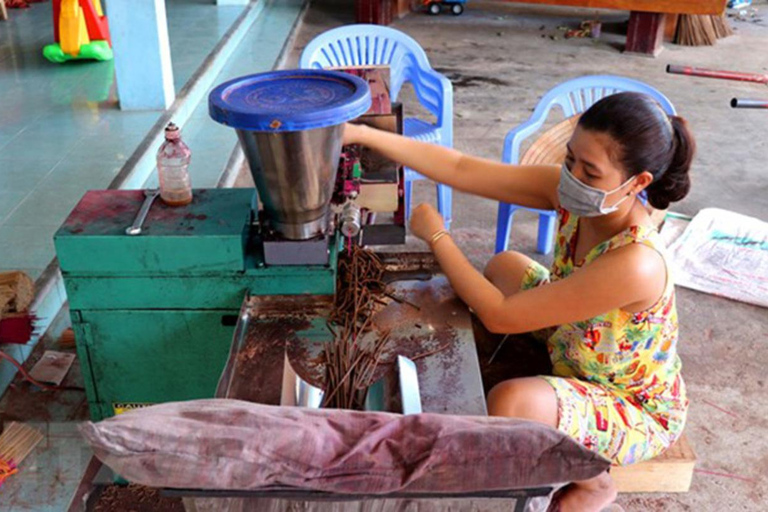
(142, 54)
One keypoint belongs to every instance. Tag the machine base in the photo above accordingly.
(297, 252)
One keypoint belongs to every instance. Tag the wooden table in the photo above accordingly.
(647, 19)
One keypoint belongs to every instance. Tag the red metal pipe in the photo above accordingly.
(714, 73)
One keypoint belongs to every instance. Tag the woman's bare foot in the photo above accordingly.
(587, 496)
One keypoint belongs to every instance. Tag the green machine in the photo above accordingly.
(155, 291)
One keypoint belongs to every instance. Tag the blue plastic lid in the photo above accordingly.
(289, 100)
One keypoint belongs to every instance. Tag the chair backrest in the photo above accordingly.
(574, 97)
(367, 45)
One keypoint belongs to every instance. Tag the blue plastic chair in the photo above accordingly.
(573, 97)
(369, 45)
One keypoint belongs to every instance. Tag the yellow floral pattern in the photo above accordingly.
(617, 375)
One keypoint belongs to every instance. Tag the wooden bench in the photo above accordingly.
(672, 471)
(647, 18)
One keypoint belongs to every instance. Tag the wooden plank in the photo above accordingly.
(377, 12)
(53, 367)
(670, 27)
(645, 33)
(678, 7)
(672, 471)
(400, 8)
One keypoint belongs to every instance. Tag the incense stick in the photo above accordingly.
(16, 443)
(351, 358)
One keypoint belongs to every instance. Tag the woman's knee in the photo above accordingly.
(529, 398)
(506, 270)
(504, 262)
(507, 398)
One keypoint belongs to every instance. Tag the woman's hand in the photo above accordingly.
(426, 221)
(352, 133)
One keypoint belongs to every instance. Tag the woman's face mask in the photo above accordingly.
(583, 200)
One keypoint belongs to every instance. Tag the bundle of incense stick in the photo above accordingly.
(16, 292)
(351, 357)
(17, 324)
(18, 441)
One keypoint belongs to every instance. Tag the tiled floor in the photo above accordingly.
(192, 23)
(210, 142)
(49, 474)
(61, 131)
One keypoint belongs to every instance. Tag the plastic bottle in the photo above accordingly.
(172, 163)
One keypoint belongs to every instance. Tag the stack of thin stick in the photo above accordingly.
(351, 357)
(16, 292)
(17, 324)
(16, 443)
(702, 30)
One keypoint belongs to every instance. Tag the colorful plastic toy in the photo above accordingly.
(80, 30)
(434, 7)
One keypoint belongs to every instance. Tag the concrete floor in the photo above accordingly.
(501, 60)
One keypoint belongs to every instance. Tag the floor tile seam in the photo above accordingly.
(21, 131)
(35, 188)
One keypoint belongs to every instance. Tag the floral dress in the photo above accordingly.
(617, 375)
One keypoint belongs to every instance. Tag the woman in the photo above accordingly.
(606, 309)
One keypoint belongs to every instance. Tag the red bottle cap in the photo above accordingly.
(172, 132)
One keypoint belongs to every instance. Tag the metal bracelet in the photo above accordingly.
(437, 236)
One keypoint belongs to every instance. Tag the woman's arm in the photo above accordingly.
(534, 186)
(622, 278)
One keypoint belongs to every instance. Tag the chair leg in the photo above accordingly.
(408, 192)
(546, 233)
(3, 11)
(445, 203)
(504, 226)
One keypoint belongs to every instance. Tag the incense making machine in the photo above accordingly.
(156, 292)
